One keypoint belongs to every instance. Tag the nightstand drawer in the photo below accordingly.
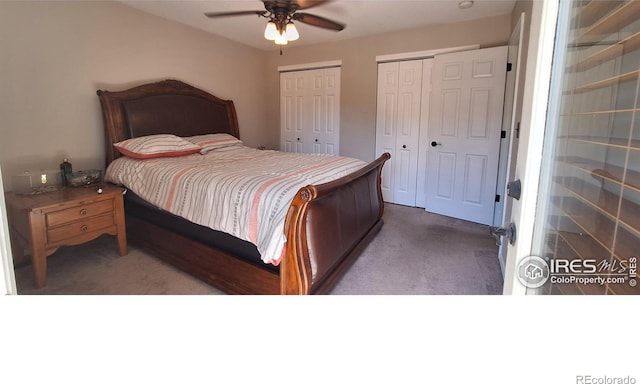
(80, 212)
(79, 228)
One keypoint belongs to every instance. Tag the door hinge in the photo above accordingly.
(509, 67)
(503, 134)
(497, 198)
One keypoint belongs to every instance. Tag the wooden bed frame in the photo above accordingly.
(327, 225)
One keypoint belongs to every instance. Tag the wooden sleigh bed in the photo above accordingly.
(327, 225)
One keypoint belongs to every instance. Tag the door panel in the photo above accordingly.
(480, 114)
(464, 128)
(386, 122)
(448, 118)
(444, 181)
(475, 168)
(398, 128)
(408, 131)
(424, 144)
(331, 103)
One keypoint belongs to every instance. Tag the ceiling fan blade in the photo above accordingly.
(237, 13)
(318, 21)
(306, 4)
(293, 4)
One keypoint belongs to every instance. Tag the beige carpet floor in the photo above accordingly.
(416, 253)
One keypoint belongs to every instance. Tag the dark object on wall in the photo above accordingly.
(65, 169)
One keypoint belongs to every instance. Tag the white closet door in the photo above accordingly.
(422, 179)
(398, 128)
(324, 135)
(386, 122)
(310, 111)
(292, 100)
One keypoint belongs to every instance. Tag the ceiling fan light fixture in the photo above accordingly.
(281, 39)
(465, 4)
(271, 31)
(291, 33)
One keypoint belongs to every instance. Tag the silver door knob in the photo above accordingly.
(514, 189)
(508, 231)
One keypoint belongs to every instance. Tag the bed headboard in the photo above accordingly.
(168, 106)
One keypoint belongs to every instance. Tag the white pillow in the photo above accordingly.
(212, 141)
(162, 145)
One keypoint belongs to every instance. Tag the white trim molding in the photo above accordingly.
(7, 274)
(306, 66)
(424, 54)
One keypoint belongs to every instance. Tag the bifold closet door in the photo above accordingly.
(310, 111)
(398, 128)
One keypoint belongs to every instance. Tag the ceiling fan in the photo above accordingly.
(281, 14)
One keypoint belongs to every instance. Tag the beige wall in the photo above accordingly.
(359, 71)
(55, 55)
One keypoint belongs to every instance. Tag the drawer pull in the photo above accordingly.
(84, 228)
(83, 212)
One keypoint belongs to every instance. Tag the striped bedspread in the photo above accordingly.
(239, 190)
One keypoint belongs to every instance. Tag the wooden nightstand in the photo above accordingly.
(69, 216)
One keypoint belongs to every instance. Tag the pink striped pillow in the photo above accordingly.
(163, 145)
(213, 141)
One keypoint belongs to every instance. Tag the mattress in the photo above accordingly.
(240, 191)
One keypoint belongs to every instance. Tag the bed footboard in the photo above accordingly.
(328, 226)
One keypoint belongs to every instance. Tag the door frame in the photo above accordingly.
(7, 273)
(544, 15)
(417, 55)
(508, 149)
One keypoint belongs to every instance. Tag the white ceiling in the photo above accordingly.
(361, 17)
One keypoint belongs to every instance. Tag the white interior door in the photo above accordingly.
(464, 133)
(398, 128)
